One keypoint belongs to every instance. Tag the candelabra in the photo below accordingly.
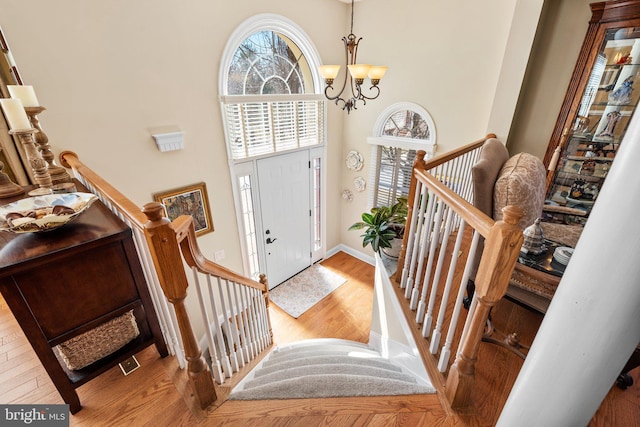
(37, 163)
(57, 173)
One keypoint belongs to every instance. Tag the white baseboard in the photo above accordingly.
(354, 253)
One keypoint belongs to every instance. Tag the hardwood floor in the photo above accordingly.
(157, 393)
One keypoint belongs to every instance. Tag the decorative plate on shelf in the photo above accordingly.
(359, 183)
(354, 161)
(43, 213)
(562, 254)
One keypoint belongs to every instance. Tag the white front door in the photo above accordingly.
(286, 220)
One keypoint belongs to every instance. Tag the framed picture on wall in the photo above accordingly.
(190, 200)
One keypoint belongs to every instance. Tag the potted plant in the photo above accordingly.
(384, 227)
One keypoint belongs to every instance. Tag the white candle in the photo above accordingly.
(15, 114)
(24, 93)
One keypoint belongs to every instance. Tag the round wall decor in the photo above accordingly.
(354, 161)
(359, 183)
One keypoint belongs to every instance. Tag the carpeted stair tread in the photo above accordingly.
(324, 343)
(379, 363)
(331, 385)
(280, 357)
(333, 369)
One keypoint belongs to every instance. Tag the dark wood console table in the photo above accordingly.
(535, 279)
(65, 282)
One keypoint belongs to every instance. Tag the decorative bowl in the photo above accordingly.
(43, 213)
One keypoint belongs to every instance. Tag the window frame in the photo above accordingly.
(378, 140)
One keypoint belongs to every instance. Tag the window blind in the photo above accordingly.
(258, 128)
(394, 174)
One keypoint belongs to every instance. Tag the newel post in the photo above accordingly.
(418, 163)
(265, 295)
(496, 266)
(167, 258)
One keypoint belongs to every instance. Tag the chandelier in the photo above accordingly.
(354, 78)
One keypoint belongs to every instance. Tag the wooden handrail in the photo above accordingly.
(186, 237)
(419, 167)
(472, 215)
(70, 160)
(503, 240)
(168, 246)
(456, 152)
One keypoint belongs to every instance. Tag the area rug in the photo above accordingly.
(305, 289)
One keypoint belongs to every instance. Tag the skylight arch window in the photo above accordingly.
(400, 131)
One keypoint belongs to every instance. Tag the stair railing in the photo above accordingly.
(234, 307)
(438, 257)
(131, 214)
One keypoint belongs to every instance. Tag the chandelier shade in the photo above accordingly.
(354, 76)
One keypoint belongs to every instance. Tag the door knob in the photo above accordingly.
(270, 240)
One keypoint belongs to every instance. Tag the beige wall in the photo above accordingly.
(446, 56)
(564, 25)
(108, 71)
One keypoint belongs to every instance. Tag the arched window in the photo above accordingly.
(270, 100)
(400, 131)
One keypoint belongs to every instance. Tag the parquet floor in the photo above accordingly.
(149, 397)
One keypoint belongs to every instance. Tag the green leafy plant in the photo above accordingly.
(382, 225)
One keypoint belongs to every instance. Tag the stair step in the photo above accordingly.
(324, 343)
(337, 369)
(321, 360)
(297, 355)
(330, 385)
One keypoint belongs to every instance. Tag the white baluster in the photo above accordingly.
(435, 236)
(240, 323)
(409, 261)
(419, 242)
(233, 322)
(223, 364)
(249, 322)
(424, 246)
(437, 330)
(213, 354)
(233, 355)
(436, 276)
(455, 316)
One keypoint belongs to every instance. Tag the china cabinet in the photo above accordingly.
(602, 96)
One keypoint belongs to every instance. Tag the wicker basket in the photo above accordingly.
(99, 342)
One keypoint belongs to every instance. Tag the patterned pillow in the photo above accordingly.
(522, 182)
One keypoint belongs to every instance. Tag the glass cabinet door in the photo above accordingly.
(595, 132)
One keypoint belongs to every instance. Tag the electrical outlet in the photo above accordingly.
(219, 255)
(129, 365)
